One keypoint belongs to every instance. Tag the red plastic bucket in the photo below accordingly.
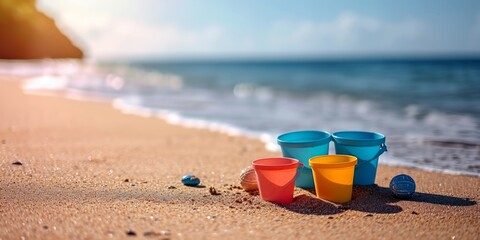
(276, 178)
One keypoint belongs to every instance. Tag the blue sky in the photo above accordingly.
(154, 28)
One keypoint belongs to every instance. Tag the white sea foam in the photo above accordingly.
(128, 106)
(392, 161)
(252, 111)
(269, 140)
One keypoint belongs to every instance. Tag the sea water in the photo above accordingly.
(429, 109)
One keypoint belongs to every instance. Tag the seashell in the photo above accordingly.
(190, 180)
(248, 179)
(402, 186)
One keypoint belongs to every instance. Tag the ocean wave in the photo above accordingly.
(259, 111)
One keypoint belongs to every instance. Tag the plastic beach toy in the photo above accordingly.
(333, 175)
(276, 178)
(367, 147)
(303, 145)
(190, 180)
(402, 186)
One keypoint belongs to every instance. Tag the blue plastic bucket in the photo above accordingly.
(367, 147)
(303, 145)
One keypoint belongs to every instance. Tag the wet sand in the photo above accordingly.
(82, 170)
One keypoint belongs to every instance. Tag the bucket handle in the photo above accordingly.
(383, 148)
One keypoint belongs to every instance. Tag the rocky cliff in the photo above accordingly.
(26, 33)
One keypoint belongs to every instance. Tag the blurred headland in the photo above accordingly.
(27, 33)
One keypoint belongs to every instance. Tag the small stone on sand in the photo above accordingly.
(131, 233)
(213, 191)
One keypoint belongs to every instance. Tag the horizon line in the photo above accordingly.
(294, 57)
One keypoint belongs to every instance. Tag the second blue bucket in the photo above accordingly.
(367, 147)
(303, 145)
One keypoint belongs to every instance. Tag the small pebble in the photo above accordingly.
(131, 233)
(172, 187)
(190, 180)
(330, 217)
(213, 191)
(126, 180)
(17, 163)
(414, 213)
(45, 227)
(211, 217)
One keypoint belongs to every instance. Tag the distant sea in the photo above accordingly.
(429, 109)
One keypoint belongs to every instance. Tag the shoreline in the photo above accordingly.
(174, 118)
(89, 171)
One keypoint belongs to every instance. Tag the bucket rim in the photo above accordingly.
(352, 161)
(327, 137)
(351, 141)
(293, 164)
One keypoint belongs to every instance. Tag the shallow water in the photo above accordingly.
(428, 109)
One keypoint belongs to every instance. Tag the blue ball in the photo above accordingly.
(190, 180)
(402, 186)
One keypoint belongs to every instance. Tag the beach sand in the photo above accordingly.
(90, 172)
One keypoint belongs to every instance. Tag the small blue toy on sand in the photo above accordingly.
(402, 186)
(190, 180)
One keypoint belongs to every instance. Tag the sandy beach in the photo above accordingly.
(83, 170)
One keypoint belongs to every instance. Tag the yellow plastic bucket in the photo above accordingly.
(333, 176)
